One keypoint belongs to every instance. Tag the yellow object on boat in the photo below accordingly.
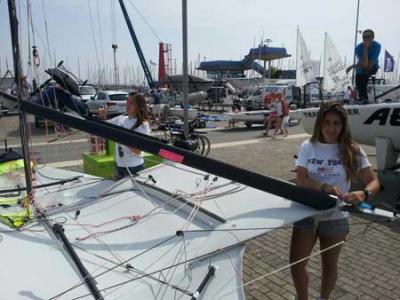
(17, 219)
(11, 166)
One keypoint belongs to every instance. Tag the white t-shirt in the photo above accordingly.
(129, 159)
(277, 108)
(324, 164)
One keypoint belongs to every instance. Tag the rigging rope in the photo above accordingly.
(130, 268)
(47, 33)
(283, 268)
(116, 266)
(94, 37)
(145, 21)
(100, 35)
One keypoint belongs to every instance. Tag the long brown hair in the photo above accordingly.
(347, 147)
(142, 113)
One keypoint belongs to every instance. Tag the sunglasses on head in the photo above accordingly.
(120, 151)
(334, 106)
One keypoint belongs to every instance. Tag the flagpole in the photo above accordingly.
(355, 42)
(397, 68)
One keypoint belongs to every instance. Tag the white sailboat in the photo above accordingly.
(304, 70)
(174, 231)
(334, 72)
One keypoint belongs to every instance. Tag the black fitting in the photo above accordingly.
(152, 178)
(179, 233)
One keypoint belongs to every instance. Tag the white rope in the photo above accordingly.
(282, 268)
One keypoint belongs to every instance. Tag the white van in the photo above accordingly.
(256, 101)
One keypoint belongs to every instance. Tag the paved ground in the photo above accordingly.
(369, 266)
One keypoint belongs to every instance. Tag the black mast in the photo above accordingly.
(57, 229)
(18, 74)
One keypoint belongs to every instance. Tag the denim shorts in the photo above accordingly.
(335, 227)
(121, 172)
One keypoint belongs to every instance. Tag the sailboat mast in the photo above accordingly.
(17, 74)
(355, 42)
(324, 60)
(185, 83)
(297, 53)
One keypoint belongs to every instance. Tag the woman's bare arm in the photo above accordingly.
(305, 181)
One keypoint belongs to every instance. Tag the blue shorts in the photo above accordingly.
(121, 172)
(335, 227)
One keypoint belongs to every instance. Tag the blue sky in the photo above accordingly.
(218, 29)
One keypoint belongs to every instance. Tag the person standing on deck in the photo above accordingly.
(327, 162)
(367, 54)
(130, 160)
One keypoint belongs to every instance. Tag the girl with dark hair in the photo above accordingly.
(130, 160)
(327, 162)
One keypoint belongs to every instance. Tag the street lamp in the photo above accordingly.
(267, 41)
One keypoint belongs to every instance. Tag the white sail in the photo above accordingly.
(304, 69)
(335, 77)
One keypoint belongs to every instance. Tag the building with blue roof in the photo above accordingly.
(236, 69)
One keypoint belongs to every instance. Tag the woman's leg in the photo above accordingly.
(329, 263)
(269, 125)
(301, 246)
(278, 125)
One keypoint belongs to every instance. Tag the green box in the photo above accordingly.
(99, 165)
(104, 166)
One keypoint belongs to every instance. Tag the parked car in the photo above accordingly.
(87, 91)
(114, 101)
(259, 100)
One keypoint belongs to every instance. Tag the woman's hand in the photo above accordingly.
(332, 190)
(102, 113)
(354, 198)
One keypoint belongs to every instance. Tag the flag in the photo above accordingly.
(389, 62)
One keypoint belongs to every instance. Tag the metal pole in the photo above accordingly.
(269, 69)
(12, 11)
(355, 42)
(185, 82)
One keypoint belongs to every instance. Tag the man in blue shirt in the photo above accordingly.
(367, 54)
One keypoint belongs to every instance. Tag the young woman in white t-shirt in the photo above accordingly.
(327, 162)
(130, 160)
(276, 115)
